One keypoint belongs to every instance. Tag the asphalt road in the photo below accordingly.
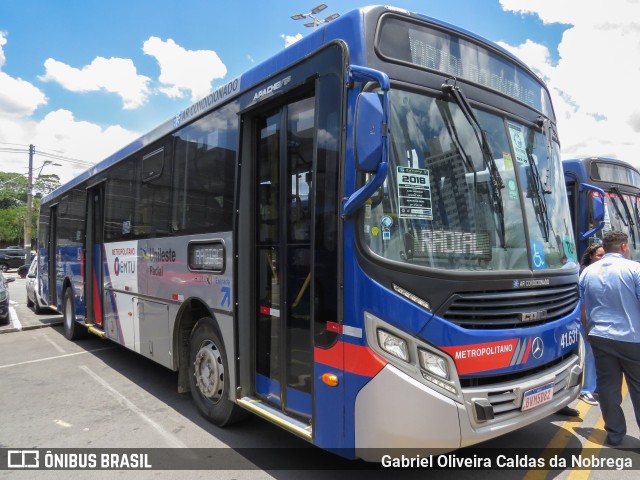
(95, 396)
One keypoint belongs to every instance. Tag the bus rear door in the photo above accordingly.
(94, 260)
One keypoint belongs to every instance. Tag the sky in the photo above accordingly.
(79, 79)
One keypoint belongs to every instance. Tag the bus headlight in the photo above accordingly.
(433, 363)
(393, 345)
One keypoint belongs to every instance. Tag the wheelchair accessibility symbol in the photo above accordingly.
(537, 255)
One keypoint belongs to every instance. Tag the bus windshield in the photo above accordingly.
(439, 207)
(610, 172)
(622, 212)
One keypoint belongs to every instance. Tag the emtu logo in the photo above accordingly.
(123, 266)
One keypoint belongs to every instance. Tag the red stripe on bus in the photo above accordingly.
(351, 358)
(526, 353)
(482, 357)
(97, 307)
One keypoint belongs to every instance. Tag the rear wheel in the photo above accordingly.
(72, 330)
(209, 375)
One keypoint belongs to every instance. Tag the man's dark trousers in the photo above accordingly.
(613, 358)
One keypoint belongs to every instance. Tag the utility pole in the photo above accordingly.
(27, 220)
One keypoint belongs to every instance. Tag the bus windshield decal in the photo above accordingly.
(414, 193)
(519, 145)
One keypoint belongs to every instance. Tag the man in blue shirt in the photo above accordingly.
(610, 290)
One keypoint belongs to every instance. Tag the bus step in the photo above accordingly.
(96, 331)
(274, 415)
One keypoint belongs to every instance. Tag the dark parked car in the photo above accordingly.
(4, 298)
(12, 258)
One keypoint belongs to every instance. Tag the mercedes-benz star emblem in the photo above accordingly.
(537, 348)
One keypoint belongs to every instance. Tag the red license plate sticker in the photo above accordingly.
(537, 396)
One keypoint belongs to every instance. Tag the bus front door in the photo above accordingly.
(50, 287)
(283, 191)
(94, 261)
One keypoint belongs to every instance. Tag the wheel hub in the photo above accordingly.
(209, 371)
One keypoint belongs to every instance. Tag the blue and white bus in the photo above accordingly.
(365, 239)
(604, 194)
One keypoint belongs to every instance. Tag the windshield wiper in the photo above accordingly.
(550, 133)
(637, 215)
(538, 191)
(627, 212)
(497, 183)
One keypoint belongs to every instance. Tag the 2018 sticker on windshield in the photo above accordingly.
(414, 193)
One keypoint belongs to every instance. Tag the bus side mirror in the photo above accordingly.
(369, 131)
(371, 141)
(597, 207)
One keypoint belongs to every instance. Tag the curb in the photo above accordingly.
(31, 327)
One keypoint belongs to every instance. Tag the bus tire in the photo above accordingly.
(208, 375)
(72, 330)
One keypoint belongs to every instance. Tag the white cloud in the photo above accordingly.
(115, 75)
(290, 39)
(594, 82)
(182, 70)
(17, 97)
(81, 140)
(60, 133)
(3, 42)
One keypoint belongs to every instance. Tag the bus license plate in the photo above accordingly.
(537, 396)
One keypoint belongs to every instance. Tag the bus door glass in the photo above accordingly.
(93, 269)
(284, 353)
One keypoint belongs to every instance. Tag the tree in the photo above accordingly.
(13, 204)
(45, 184)
(12, 225)
(13, 190)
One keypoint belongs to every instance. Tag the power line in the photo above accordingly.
(54, 156)
(63, 158)
(16, 144)
(14, 150)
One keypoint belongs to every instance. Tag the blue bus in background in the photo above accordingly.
(604, 194)
(366, 240)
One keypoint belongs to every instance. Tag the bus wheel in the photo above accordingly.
(208, 375)
(72, 330)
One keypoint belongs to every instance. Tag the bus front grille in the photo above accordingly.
(508, 401)
(502, 396)
(510, 309)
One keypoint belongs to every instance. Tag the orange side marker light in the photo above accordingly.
(330, 379)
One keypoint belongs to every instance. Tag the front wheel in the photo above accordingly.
(209, 375)
(72, 330)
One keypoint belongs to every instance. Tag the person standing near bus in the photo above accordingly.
(591, 255)
(610, 291)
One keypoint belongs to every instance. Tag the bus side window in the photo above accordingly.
(154, 205)
(204, 176)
